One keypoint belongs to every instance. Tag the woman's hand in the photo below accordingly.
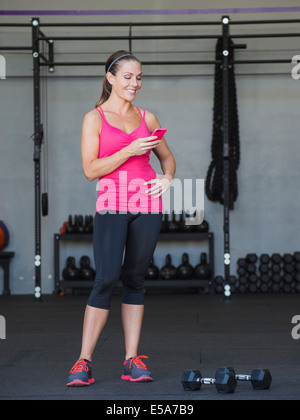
(142, 146)
(160, 185)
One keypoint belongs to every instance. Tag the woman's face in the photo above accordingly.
(128, 80)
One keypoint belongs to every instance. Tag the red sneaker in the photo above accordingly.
(136, 371)
(81, 374)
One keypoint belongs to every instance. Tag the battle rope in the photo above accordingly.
(214, 187)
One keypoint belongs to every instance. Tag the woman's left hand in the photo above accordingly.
(160, 185)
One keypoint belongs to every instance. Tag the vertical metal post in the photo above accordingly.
(226, 153)
(51, 55)
(130, 35)
(37, 156)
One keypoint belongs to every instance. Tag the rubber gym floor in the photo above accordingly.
(180, 331)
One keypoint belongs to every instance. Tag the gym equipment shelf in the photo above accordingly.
(163, 237)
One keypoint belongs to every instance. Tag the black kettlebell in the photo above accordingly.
(202, 270)
(70, 227)
(185, 270)
(76, 223)
(184, 227)
(86, 271)
(165, 224)
(203, 228)
(88, 223)
(168, 272)
(80, 226)
(173, 224)
(152, 272)
(70, 272)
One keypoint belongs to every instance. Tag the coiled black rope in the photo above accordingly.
(214, 184)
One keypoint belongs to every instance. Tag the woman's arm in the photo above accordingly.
(167, 161)
(93, 167)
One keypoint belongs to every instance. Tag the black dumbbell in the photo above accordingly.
(260, 378)
(225, 382)
(219, 284)
(296, 257)
(276, 258)
(251, 258)
(264, 259)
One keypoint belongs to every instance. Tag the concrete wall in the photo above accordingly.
(266, 213)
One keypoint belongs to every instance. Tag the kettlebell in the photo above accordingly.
(203, 228)
(86, 271)
(152, 272)
(183, 226)
(173, 224)
(165, 224)
(185, 270)
(70, 272)
(62, 229)
(76, 220)
(80, 227)
(88, 223)
(70, 228)
(168, 272)
(202, 270)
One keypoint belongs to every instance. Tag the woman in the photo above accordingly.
(115, 147)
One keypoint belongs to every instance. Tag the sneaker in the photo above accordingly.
(81, 374)
(136, 371)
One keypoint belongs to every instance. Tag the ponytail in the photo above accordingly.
(106, 91)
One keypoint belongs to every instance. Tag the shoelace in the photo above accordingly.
(80, 366)
(138, 362)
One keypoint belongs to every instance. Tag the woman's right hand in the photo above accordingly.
(141, 146)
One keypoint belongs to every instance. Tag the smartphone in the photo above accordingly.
(159, 133)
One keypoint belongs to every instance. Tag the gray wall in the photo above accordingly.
(265, 215)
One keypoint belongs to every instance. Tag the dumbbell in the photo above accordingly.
(225, 382)
(219, 284)
(260, 378)
(251, 258)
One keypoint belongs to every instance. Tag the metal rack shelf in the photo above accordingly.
(163, 237)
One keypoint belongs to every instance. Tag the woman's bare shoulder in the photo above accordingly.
(93, 118)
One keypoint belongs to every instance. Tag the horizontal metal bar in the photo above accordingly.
(286, 35)
(175, 63)
(262, 61)
(264, 22)
(148, 24)
(94, 63)
(133, 24)
(162, 37)
(15, 25)
(15, 48)
(125, 38)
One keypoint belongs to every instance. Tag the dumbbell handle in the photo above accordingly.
(207, 381)
(243, 378)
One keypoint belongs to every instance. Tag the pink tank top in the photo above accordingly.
(123, 189)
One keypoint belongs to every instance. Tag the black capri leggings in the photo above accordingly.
(138, 234)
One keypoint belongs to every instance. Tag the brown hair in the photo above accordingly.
(113, 64)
